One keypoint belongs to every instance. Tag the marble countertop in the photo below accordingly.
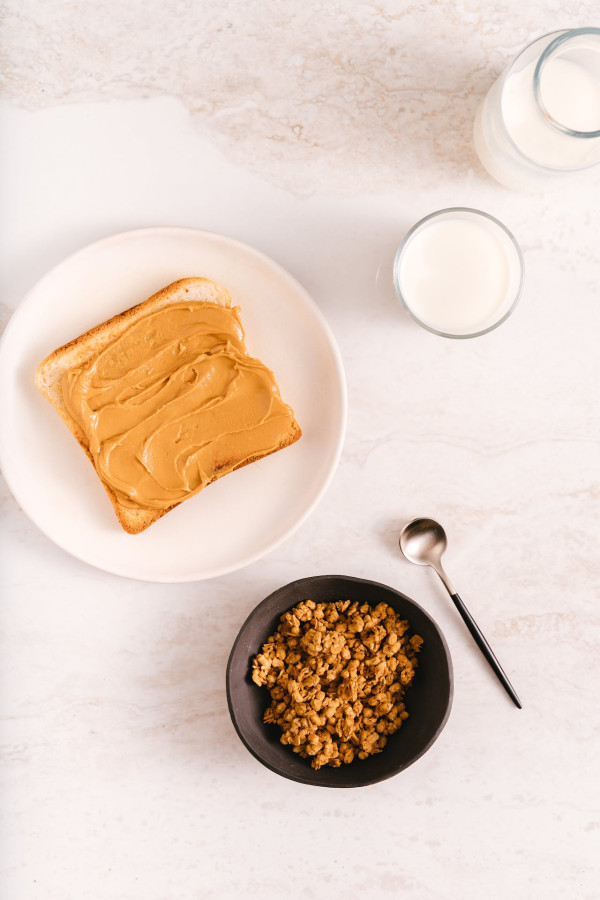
(318, 133)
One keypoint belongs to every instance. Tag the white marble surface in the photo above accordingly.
(317, 133)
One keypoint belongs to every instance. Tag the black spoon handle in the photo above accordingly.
(485, 648)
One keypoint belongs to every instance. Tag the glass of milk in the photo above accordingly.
(540, 121)
(459, 272)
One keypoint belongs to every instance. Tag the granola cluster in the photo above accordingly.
(337, 673)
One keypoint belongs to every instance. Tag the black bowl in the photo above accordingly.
(428, 700)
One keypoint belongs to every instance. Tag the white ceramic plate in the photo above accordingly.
(239, 518)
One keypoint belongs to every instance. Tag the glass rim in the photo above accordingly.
(410, 234)
(562, 38)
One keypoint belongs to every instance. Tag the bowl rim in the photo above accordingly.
(312, 579)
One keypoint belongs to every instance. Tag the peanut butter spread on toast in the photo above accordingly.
(175, 402)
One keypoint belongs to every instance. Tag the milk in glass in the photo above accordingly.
(459, 272)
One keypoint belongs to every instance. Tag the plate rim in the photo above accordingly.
(174, 230)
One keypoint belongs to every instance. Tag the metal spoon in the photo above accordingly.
(423, 541)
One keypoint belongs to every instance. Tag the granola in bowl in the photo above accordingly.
(337, 673)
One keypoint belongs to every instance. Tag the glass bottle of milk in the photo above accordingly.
(540, 121)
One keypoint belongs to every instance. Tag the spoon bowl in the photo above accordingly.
(423, 542)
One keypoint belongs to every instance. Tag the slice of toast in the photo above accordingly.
(82, 350)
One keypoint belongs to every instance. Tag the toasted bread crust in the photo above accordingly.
(80, 350)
